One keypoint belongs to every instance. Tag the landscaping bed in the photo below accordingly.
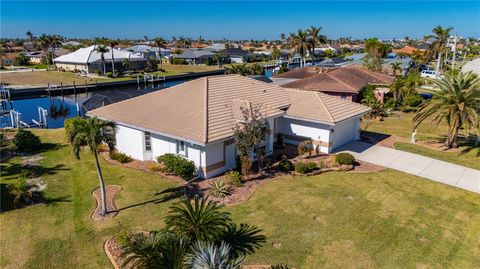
(110, 192)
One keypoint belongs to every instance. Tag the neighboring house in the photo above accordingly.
(324, 47)
(88, 60)
(216, 47)
(9, 57)
(333, 62)
(196, 120)
(148, 52)
(410, 50)
(235, 55)
(345, 82)
(196, 56)
(36, 57)
(72, 43)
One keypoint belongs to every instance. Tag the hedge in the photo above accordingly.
(177, 165)
(304, 168)
(344, 158)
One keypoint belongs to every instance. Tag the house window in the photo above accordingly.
(148, 141)
(181, 148)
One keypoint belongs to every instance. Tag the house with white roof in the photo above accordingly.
(148, 51)
(196, 120)
(88, 60)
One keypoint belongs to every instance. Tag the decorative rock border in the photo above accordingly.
(109, 255)
(111, 192)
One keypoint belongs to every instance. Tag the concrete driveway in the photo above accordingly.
(436, 170)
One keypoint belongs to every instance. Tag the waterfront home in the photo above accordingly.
(333, 62)
(345, 83)
(191, 56)
(235, 55)
(88, 60)
(196, 120)
(148, 52)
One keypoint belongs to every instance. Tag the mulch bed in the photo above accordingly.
(364, 167)
(112, 211)
(113, 251)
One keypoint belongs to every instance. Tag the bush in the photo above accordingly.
(177, 165)
(412, 100)
(234, 178)
(219, 189)
(123, 237)
(304, 168)
(390, 104)
(285, 165)
(154, 167)
(26, 141)
(344, 158)
(120, 157)
(305, 146)
(109, 74)
(280, 266)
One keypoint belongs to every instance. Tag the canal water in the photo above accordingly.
(60, 108)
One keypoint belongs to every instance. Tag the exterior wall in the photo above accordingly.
(238, 60)
(345, 132)
(72, 67)
(296, 131)
(347, 96)
(220, 157)
(130, 142)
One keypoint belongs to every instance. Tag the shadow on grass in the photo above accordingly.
(166, 195)
(468, 143)
(374, 137)
(16, 169)
(7, 204)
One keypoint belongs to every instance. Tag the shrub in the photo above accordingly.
(412, 100)
(154, 167)
(26, 141)
(219, 189)
(344, 158)
(234, 178)
(285, 165)
(120, 157)
(123, 237)
(304, 168)
(280, 266)
(177, 165)
(109, 74)
(304, 147)
(390, 104)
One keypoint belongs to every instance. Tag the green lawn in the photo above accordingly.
(400, 124)
(381, 220)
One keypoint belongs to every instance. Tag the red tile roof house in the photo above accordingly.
(196, 120)
(345, 83)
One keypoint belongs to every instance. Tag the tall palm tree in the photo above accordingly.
(439, 45)
(102, 49)
(456, 100)
(29, 35)
(91, 132)
(396, 66)
(315, 38)
(161, 44)
(301, 44)
(45, 43)
(218, 58)
(112, 44)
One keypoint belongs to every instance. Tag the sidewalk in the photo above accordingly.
(436, 170)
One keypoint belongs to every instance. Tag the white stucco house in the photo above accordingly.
(196, 120)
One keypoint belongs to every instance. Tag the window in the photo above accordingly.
(148, 141)
(181, 148)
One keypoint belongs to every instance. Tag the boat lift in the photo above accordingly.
(42, 118)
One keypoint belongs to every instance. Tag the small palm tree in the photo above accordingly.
(91, 132)
(456, 100)
(20, 190)
(198, 220)
(396, 66)
(112, 44)
(211, 256)
(102, 50)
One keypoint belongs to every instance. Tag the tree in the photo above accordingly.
(29, 35)
(91, 132)
(20, 190)
(102, 49)
(112, 44)
(249, 133)
(161, 44)
(218, 58)
(45, 43)
(438, 47)
(315, 38)
(404, 86)
(396, 66)
(455, 100)
(212, 256)
(4, 47)
(375, 50)
(301, 44)
(276, 53)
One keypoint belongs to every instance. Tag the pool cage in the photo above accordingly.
(103, 99)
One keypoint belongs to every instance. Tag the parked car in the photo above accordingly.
(429, 74)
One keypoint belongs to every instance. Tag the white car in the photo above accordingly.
(429, 74)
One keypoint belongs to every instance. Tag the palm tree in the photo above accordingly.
(218, 58)
(301, 44)
(211, 256)
(29, 35)
(4, 47)
(112, 44)
(455, 100)
(396, 66)
(91, 132)
(102, 50)
(200, 220)
(439, 37)
(20, 190)
(315, 37)
(45, 43)
(161, 44)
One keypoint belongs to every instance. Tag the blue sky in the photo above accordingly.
(236, 20)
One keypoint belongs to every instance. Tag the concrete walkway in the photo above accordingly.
(433, 169)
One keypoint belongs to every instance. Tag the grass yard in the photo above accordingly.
(400, 124)
(41, 78)
(338, 219)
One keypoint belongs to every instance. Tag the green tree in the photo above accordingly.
(396, 67)
(112, 45)
(301, 44)
(212, 256)
(276, 53)
(456, 100)
(315, 38)
(161, 44)
(439, 44)
(102, 49)
(45, 42)
(91, 132)
(375, 50)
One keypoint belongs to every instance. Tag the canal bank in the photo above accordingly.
(140, 83)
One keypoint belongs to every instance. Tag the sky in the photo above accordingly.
(236, 19)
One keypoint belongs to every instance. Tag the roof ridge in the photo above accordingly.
(320, 96)
(341, 82)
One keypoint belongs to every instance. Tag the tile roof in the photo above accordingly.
(202, 110)
(317, 106)
(347, 79)
(302, 72)
(90, 55)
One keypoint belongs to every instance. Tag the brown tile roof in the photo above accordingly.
(317, 106)
(202, 110)
(347, 79)
(302, 72)
(407, 50)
